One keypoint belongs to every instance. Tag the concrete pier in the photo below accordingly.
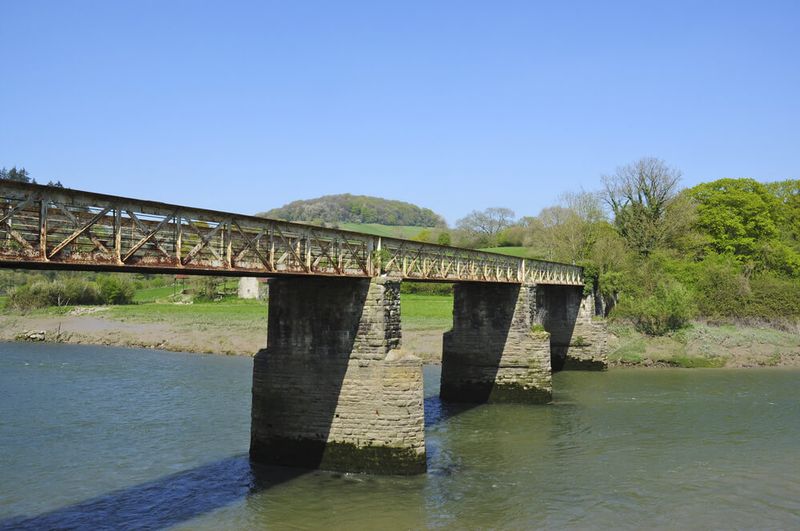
(497, 350)
(332, 390)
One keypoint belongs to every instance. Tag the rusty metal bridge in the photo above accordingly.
(44, 227)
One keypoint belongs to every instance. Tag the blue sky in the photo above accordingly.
(244, 106)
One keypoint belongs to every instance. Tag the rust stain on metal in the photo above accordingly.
(55, 228)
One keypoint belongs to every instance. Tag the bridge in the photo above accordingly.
(57, 228)
(333, 387)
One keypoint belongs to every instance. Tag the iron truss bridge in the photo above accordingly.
(43, 227)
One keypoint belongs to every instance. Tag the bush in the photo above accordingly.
(41, 293)
(77, 291)
(28, 296)
(773, 298)
(116, 290)
(426, 288)
(668, 309)
(208, 289)
(444, 239)
(721, 288)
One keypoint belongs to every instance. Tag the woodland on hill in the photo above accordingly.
(347, 208)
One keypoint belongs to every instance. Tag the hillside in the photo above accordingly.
(407, 232)
(347, 208)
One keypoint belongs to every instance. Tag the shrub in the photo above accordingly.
(668, 309)
(41, 293)
(721, 288)
(444, 239)
(78, 291)
(426, 288)
(28, 296)
(208, 289)
(773, 298)
(116, 290)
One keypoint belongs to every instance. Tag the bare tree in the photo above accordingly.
(488, 222)
(639, 195)
(586, 205)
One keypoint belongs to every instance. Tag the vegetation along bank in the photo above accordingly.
(703, 276)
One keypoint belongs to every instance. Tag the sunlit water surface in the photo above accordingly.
(95, 437)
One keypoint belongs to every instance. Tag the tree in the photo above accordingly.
(639, 195)
(569, 231)
(488, 222)
(482, 228)
(740, 215)
(347, 208)
(788, 195)
(20, 175)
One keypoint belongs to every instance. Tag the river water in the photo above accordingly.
(104, 438)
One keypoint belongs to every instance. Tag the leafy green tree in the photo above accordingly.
(741, 216)
(788, 196)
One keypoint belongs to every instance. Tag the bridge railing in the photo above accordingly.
(57, 228)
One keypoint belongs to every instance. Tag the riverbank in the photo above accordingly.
(230, 327)
(239, 327)
(703, 345)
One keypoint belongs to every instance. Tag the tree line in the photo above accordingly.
(660, 255)
(653, 252)
(23, 176)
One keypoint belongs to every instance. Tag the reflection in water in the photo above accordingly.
(108, 438)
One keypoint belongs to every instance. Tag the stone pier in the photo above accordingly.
(497, 350)
(577, 340)
(332, 390)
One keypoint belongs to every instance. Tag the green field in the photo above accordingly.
(389, 231)
(154, 294)
(426, 312)
(419, 312)
(227, 310)
(153, 305)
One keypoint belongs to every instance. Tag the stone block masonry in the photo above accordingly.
(332, 390)
(577, 340)
(496, 351)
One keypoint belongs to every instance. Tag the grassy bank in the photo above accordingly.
(229, 326)
(702, 345)
(234, 326)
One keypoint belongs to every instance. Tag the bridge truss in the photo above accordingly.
(43, 227)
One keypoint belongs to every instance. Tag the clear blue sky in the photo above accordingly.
(456, 106)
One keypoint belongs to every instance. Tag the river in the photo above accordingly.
(107, 438)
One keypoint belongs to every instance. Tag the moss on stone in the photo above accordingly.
(338, 456)
(372, 459)
(519, 394)
(576, 364)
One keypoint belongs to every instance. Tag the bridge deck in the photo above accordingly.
(43, 227)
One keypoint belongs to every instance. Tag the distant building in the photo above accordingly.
(253, 288)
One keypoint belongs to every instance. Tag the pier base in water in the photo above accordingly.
(332, 390)
(496, 351)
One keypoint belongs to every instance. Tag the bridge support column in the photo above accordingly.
(577, 341)
(332, 389)
(496, 351)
